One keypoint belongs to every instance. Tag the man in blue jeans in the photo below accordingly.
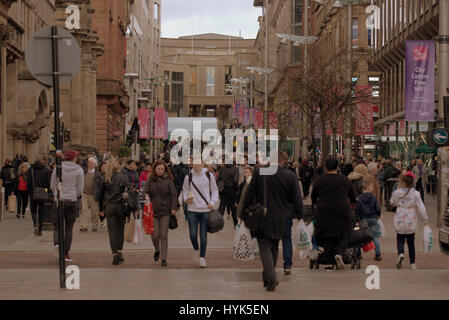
(287, 247)
(200, 192)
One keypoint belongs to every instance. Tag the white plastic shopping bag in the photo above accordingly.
(138, 233)
(244, 250)
(382, 228)
(304, 241)
(428, 239)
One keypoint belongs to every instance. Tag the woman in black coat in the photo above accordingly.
(161, 189)
(332, 193)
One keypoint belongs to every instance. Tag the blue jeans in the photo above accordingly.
(287, 248)
(375, 230)
(201, 219)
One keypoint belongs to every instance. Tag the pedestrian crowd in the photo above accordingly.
(110, 192)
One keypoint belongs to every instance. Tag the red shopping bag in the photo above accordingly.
(148, 218)
(368, 247)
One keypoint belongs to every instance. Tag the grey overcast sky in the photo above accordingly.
(209, 16)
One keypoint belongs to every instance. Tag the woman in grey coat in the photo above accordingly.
(161, 189)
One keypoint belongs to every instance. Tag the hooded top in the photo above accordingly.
(367, 206)
(409, 205)
(72, 181)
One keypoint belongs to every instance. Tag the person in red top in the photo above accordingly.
(144, 175)
(22, 190)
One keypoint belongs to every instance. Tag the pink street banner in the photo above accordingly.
(272, 120)
(258, 120)
(166, 125)
(385, 131)
(143, 116)
(402, 131)
(392, 129)
(159, 123)
(365, 109)
(246, 114)
(419, 80)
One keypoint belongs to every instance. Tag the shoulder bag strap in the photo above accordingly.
(194, 185)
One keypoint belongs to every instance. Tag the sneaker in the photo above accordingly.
(400, 259)
(287, 271)
(378, 257)
(56, 252)
(340, 264)
(18, 216)
(164, 263)
(23, 217)
(156, 256)
(68, 259)
(196, 257)
(203, 263)
(413, 266)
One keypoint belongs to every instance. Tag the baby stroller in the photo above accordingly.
(360, 235)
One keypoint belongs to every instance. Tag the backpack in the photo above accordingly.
(12, 174)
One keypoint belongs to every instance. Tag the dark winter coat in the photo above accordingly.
(133, 177)
(5, 174)
(42, 177)
(112, 192)
(162, 194)
(332, 194)
(367, 206)
(281, 190)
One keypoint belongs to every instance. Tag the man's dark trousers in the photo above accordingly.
(287, 247)
(70, 210)
(269, 250)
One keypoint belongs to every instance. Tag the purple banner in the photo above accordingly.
(246, 116)
(420, 81)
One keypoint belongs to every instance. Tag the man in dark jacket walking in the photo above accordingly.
(306, 174)
(229, 176)
(281, 190)
(39, 176)
(9, 178)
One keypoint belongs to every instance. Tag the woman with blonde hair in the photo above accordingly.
(110, 200)
(22, 190)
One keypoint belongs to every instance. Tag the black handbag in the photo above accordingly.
(39, 194)
(256, 213)
(173, 223)
(361, 233)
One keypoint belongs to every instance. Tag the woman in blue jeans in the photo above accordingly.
(200, 192)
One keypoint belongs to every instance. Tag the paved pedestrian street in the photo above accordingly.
(27, 266)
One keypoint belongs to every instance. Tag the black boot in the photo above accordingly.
(156, 256)
(164, 263)
(116, 259)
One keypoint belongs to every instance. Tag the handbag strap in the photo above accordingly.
(196, 188)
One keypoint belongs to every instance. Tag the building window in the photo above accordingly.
(298, 11)
(192, 81)
(228, 82)
(210, 81)
(177, 94)
(355, 33)
(156, 13)
(167, 91)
